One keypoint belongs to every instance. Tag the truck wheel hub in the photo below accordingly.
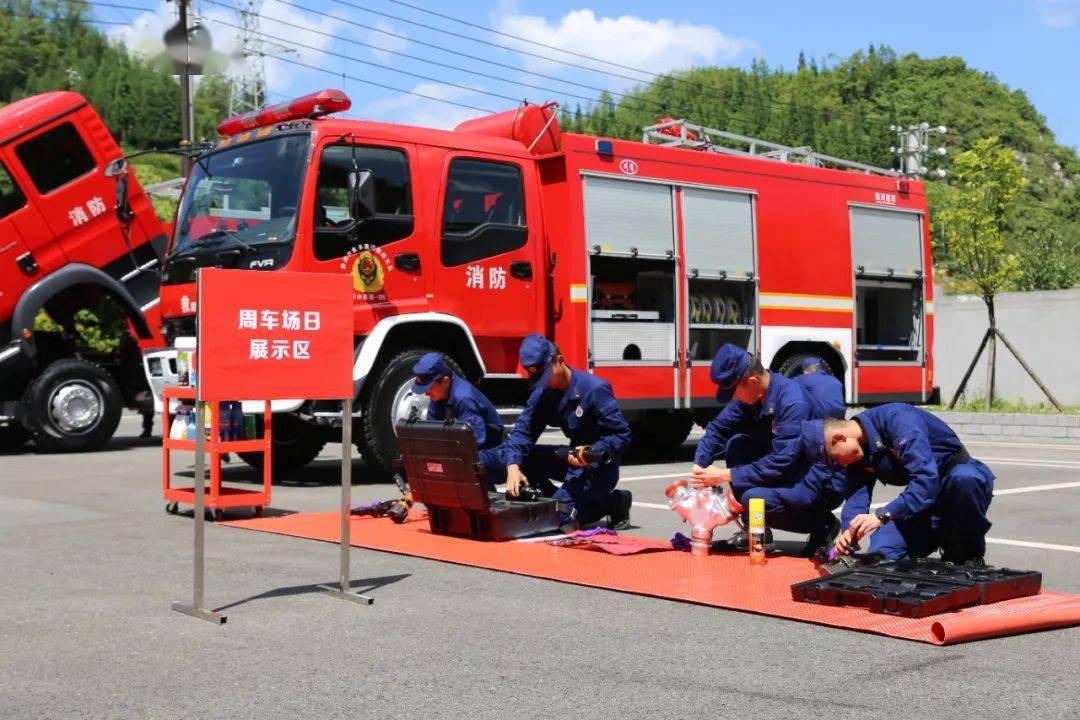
(404, 401)
(75, 407)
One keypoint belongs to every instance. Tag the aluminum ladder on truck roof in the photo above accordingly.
(683, 134)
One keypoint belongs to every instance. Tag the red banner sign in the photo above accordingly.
(274, 335)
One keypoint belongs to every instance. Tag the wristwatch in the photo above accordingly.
(883, 515)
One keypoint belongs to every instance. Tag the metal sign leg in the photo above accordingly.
(343, 591)
(196, 609)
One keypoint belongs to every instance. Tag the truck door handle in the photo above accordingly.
(521, 270)
(409, 262)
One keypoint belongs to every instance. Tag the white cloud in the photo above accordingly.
(654, 45)
(387, 42)
(425, 112)
(1058, 13)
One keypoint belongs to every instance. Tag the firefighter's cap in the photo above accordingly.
(537, 352)
(429, 369)
(728, 367)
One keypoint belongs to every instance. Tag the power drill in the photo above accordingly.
(397, 509)
(603, 457)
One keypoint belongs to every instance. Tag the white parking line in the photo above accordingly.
(668, 476)
(1033, 545)
(1066, 464)
(992, 443)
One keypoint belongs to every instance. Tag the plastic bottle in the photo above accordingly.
(183, 366)
(250, 429)
(189, 431)
(178, 426)
(757, 531)
(236, 421)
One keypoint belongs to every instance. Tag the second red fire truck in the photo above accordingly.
(639, 259)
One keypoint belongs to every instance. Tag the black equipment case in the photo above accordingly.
(917, 588)
(444, 473)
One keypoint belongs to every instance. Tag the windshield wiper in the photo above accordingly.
(220, 233)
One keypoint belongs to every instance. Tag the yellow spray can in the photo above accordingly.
(757, 531)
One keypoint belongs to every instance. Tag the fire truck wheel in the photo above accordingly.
(295, 444)
(72, 405)
(391, 399)
(792, 367)
(660, 432)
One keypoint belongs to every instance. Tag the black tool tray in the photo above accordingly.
(917, 588)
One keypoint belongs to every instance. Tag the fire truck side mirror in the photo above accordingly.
(116, 168)
(123, 208)
(361, 194)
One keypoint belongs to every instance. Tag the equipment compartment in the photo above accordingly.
(995, 584)
(720, 311)
(632, 315)
(888, 319)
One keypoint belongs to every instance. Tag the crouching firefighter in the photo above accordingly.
(757, 435)
(946, 491)
(583, 406)
(452, 397)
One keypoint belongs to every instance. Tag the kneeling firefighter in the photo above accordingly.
(455, 398)
(946, 491)
(757, 435)
(583, 406)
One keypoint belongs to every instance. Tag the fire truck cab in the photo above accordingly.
(64, 246)
(637, 259)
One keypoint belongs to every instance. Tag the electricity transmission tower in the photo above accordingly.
(915, 146)
(247, 90)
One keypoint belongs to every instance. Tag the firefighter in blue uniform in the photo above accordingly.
(583, 406)
(823, 391)
(757, 435)
(455, 398)
(946, 492)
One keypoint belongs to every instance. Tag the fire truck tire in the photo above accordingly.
(662, 432)
(792, 367)
(385, 406)
(72, 406)
(295, 444)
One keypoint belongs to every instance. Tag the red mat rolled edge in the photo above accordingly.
(719, 580)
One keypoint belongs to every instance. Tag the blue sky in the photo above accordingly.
(1032, 45)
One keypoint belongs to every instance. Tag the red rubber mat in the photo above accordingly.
(719, 580)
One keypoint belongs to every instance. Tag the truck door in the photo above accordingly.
(74, 196)
(490, 254)
(890, 353)
(26, 254)
(383, 252)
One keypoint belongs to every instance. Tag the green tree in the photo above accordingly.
(987, 181)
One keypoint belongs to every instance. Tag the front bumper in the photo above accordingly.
(159, 364)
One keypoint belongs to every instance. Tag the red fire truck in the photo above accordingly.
(72, 232)
(639, 259)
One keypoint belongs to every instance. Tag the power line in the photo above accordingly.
(522, 39)
(467, 56)
(697, 86)
(428, 78)
(486, 42)
(294, 43)
(428, 61)
(380, 85)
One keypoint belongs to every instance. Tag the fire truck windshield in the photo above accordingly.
(243, 196)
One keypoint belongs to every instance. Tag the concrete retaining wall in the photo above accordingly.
(1044, 326)
(1015, 427)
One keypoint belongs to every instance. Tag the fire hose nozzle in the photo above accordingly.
(703, 509)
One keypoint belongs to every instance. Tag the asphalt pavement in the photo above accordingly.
(90, 563)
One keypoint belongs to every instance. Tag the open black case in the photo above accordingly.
(444, 473)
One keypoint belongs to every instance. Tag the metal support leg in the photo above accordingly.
(342, 591)
(196, 609)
